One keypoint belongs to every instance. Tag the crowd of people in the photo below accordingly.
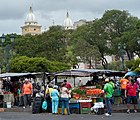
(51, 96)
(129, 89)
(129, 92)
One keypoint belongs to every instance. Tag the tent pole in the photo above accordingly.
(74, 81)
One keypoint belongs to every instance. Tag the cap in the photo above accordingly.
(107, 80)
(26, 79)
(55, 86)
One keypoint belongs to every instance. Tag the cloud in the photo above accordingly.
(13, 12)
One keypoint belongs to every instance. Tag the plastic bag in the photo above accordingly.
(44, 105)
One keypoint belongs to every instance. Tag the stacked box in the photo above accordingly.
(60, 111)
(74, 108)
(99, 99)
(85, 105)
(74, 105)
(93, 100)
(85, 110)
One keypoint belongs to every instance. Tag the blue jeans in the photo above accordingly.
(55, 105)
(65, 104)
(27, 99)
(108, 105)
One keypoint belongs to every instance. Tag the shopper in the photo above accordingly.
(55, 99)
(68, 85)
(108, 89)
(130, 94)
(123, 83)
(48, 98)
(27, 92)
(65, 98)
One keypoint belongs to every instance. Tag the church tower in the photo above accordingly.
(68, 24)
(31, 25)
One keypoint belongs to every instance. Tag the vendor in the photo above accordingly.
(80, 83)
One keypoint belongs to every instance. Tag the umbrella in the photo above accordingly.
(131, 73)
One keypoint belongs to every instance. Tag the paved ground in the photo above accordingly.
(46, 116)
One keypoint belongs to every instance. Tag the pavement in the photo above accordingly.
(45, 116)
(122, 108)
(116, 108)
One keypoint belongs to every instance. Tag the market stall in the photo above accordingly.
(90, 95)
(10, 86)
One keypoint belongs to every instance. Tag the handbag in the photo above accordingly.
(44, 105)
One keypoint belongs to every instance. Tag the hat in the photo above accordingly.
(55, 86)
(26, 79)
(138, 79)
(107, 80)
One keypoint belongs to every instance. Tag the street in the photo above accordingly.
(46, 116)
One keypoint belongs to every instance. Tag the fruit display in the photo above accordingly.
(94, 92)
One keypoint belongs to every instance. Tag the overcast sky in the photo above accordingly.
(13, 12)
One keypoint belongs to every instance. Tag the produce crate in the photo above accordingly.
(74, 110)
(74, 105)
(85, 110)
(93, 100)
(99, 99)
(85, 105)
(60, 111)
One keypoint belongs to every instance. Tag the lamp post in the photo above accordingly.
(121, 50)
(8, 47)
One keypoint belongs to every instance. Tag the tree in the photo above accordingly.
(134, 65)
(50, 45)
(119, 26)
(85, 51)
(36, 64)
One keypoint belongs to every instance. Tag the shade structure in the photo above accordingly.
(89, 72)
(71, 73)
(3, 75)
(131, 73)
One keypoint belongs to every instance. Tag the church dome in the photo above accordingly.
(30, 18)
(68, 24)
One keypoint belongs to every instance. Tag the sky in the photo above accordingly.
(13, 12)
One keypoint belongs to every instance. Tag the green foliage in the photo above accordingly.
(134, 65)
(36, 64)
(50, 45)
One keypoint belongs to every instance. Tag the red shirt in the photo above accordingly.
(68, 85)
(131, 89)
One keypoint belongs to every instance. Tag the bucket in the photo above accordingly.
(9, 105)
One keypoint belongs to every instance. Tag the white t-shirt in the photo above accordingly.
(64, 94)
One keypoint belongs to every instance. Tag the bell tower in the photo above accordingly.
(31, 25)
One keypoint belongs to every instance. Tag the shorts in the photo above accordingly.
(132, 100)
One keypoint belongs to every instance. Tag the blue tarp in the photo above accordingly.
(131, 73)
